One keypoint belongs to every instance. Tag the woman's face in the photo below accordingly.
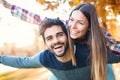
(78, 25)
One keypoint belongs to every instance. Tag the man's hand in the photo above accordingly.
(1, 52)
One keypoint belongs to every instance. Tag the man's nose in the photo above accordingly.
(55, 40)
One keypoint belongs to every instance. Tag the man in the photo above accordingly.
(57, 58)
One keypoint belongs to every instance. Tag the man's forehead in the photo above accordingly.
(53, 30)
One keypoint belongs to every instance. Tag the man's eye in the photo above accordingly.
(48, 39)
(60, 34)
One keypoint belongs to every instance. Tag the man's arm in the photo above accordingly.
(21, 62)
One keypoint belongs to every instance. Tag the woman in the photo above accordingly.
(84, 29)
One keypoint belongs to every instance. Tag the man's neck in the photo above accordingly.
(65, 58)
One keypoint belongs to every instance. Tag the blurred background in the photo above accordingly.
(21, 38)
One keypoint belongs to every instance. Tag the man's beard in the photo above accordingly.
(65, 50)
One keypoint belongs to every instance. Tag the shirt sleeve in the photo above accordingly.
(25, 15)
(28, 16)
(113, 58)
(21, 62)
(114, 45)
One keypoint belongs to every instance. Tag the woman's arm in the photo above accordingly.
(21, 62)
(25, 15)
(115, 48)
(22, 14)
(113, 45)
(112, 57)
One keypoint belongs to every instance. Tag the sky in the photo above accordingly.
(13, 30)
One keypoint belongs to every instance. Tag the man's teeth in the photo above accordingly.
(58, 47)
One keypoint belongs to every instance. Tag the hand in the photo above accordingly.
(5, 4)
(0, 1)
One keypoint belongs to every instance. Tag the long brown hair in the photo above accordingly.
(71, 46)
(96, 42)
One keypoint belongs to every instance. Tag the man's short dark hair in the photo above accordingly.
(49, 22)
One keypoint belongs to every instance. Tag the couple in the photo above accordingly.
(90, 52)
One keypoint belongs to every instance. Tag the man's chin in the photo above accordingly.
(60, 55)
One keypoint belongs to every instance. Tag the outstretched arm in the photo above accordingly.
(22, 14)
(112, 58)
(21, 62)
(113, 45)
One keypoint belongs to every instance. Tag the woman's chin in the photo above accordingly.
(74, 37)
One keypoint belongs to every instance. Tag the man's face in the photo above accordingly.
(56, 40)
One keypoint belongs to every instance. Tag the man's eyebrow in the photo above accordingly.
(56, 33)
(60, 32)
(48, 36)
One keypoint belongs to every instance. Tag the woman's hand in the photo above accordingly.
(5, 4)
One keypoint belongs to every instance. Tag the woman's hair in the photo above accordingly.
(95, 40)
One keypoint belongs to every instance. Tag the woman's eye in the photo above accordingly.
(80, 23)
(70, 19)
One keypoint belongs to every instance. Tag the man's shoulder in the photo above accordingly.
(47, 57)
(46, 53)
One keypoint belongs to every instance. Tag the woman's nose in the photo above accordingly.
(73, 25)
